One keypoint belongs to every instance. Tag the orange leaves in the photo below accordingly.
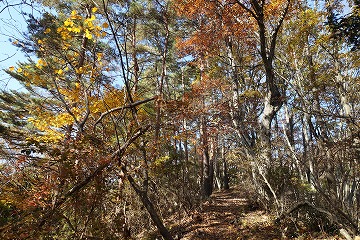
(214, 23)
(105, 25)
(274, 8)
(274, 11)
(39, 198)
(199, 44)
(194, 8)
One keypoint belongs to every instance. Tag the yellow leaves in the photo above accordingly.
(99, 56)
(310, 18)
(73, 13)
(59, 72)
(251, 94)
(5, 202)
(37, 123)
(274, 8)
(74, 79)
(79, 70)
(60, 29)
(94, 9)
(51, 136)
(66, 46)
(77, 112)
(88, 27)
(50, 124)
(96, 106)
(41, 63)
(63, 119)
(89, 24)
(89, 21)
(74, 29)
(68, 23)
(12, 69)
(161, 161)
(76, 54)
(98, 32)
(64, 33)
(88, 35)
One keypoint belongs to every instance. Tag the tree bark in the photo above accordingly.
(161, 82)
(224, 169)
(208, 170)
(150, 208)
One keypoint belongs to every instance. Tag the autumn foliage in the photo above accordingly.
(132, 113)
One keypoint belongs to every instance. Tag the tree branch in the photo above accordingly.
(247, 9)
(131, 105)
(88, 179)
(276, 31)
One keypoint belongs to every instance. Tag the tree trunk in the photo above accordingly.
(288, 129)
(151, 209)
(224, 169)
(161, 84)
(218, 175)
(208, 170)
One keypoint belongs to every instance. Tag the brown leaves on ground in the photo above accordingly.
(228, 215)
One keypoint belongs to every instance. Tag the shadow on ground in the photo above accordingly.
(227, 215)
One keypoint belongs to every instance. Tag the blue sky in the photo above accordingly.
(12, 26)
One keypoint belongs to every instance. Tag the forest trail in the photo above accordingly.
(229, 215)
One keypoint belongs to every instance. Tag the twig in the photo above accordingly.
(131, 105)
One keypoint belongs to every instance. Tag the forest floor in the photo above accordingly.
(228, 215)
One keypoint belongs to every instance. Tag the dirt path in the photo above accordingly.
(227, 215)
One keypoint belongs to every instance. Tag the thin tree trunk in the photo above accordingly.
(215, 158)
(151, 209)
(135, 60)
(161, 82)
(289, 135)
(206, 161)
(224, 168)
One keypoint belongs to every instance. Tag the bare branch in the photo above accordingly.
(276, 31)
(131, 105)
(247, 9)
(77, 187)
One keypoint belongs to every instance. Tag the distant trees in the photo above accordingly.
(292, 98)
(136, 110)
(345, 27)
